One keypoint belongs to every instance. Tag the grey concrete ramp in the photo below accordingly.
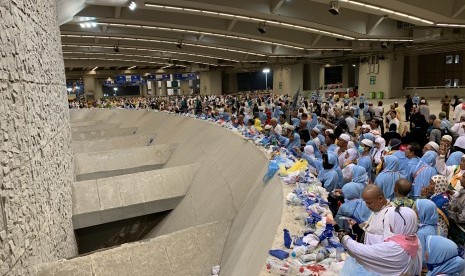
(137, 140)
(227, 186)
(191, 251)
(101, 134)
(95, 165)
(95, 127)
(116, 198)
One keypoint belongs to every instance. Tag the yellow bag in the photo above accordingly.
(299, 165)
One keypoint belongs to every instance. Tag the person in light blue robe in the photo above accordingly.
(327, 169)
(454, 158)
(428, 217)
(387, 178)
(444, 257)
(403, 161)
(313, 122)
(423, 172)
(353, 207)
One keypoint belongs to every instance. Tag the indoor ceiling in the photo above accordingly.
(205, 34)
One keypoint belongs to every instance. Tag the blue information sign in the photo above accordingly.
(158, 77)
(135, 78)
(185, 76)
(120, 79)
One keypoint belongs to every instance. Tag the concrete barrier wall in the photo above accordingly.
(227, 187)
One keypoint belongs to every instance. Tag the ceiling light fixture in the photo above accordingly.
(95, 68)
(132, 5)
(262, 27)
(132, 67)
(334, 8)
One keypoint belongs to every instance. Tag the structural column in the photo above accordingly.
(91, 86)
(35, 140)
(184, 87)
(211, 83)
(164, 89)
(288, 79)
(387, 76)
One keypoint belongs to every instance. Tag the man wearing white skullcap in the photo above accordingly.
(342, 143)
(431, 146)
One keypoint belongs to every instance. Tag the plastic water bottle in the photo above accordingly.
(276, 267)
(299, 251)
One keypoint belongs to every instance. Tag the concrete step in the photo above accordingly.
(115, 198)
(101, 134)
(113, 143)
(191, 251)
(95, 165)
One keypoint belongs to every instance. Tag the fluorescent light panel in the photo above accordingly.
(168, 42)
(389, 11)
(248, 18)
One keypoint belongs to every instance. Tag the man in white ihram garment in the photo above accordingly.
(377, 203)
(399, 253)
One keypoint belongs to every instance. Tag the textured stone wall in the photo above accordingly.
(35, 153)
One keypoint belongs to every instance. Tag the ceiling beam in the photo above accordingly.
(200, 37)
(117, 12)
(459, 7)
(231, 25)
(275, 5)
(373, 22)
(317, 38)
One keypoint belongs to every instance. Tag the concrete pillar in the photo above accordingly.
(230, 83)
(184, 87)
(322, 75)
(37, 168)
(389, 78)
(164, 89)
(143, 90)
(211, 83)
(311, 76)
(90, 85)
(345, 75)
(288, 79)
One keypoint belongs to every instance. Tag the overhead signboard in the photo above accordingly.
(120, 79)
(158, 77)
(185, 76)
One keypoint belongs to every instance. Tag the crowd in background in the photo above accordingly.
(402, 164)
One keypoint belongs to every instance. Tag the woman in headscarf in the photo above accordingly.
(350, 157)
(428, 217)
(454, 172)
(353, 207)
(388, 177)
(423, 172)
(398, 254)
(364, 160)
(380, 145)
(457, 215)
(328, 176)
(454, 158)
(443, 257)
(438, 194)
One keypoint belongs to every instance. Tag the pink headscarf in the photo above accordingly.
(400, 226)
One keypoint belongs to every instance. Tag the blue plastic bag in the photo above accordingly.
(287, 238)
(278, 253)
(273, 167)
